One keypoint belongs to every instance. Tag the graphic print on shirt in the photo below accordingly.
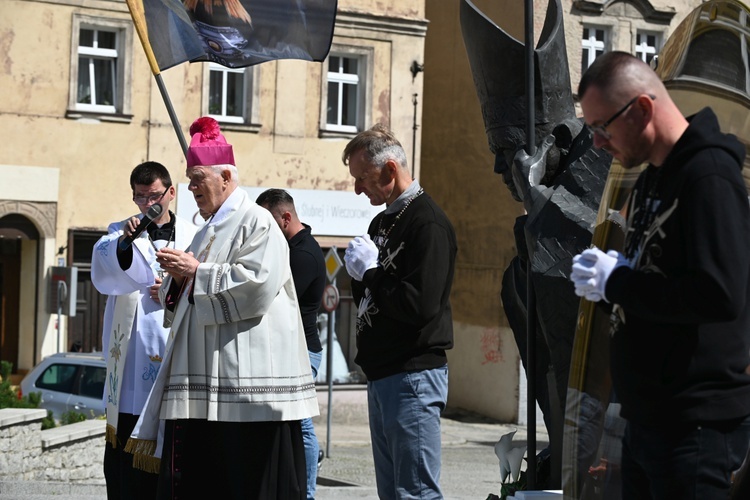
(365, 309)
(646, 250)
(388, 261)
(649, 247)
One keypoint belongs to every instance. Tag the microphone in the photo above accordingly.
(153, 213)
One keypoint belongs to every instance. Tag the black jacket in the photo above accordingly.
(685, 343)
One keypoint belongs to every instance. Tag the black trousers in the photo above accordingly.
(123, 481)
(241, 460)
(683, 460)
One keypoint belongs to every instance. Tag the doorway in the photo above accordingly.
(16, 276)
(10, 291)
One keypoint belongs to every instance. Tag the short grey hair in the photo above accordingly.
(379, 145)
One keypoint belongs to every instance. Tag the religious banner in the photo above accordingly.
(233, 33)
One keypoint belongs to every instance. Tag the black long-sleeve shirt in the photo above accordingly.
(404, 321)
(309, 274)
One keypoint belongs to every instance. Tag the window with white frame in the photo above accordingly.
(647, 45)
(232, 94)
(345, 92)
(593, 44)
(100, 66)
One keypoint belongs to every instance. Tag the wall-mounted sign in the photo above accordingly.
(329, 213)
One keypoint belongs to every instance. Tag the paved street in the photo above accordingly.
(470, 468)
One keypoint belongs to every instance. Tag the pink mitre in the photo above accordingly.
(208, 146)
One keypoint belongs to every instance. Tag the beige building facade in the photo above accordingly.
(80, 108)
(74, 128)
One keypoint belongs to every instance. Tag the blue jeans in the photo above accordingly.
(309, 437)
(404, 411)
(682, 460)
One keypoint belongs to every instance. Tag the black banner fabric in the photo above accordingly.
(238, 33)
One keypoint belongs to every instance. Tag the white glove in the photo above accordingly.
(360, 256)
(591, 270)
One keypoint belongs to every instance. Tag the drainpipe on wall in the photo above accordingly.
(36, 298)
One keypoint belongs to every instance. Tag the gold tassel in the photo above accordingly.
(143, 454)
(110, 435)
(141, 446)
(146, 463)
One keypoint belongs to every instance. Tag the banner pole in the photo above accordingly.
(172, 114)
(531, 359)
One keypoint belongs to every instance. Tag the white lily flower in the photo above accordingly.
(502, 448)
(515, 457)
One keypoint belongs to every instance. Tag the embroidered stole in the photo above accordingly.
(122, 326)
(147, 440)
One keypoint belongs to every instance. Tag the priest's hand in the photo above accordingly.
(154, 290)
(177, 263)
(360, 256)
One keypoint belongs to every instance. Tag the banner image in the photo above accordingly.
(234, 33)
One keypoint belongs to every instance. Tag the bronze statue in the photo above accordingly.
(560, 187)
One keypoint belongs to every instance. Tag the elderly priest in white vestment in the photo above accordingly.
(236, 378)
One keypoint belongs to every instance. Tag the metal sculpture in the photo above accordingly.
(560, 186)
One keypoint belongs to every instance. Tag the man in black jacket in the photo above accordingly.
(402, 272)
(309, 274)
(681, 312)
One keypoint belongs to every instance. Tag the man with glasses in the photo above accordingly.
(134, 352)
(680, 291)
(601, 129)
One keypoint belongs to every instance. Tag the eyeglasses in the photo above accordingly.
(142, 200)
(602, 129)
